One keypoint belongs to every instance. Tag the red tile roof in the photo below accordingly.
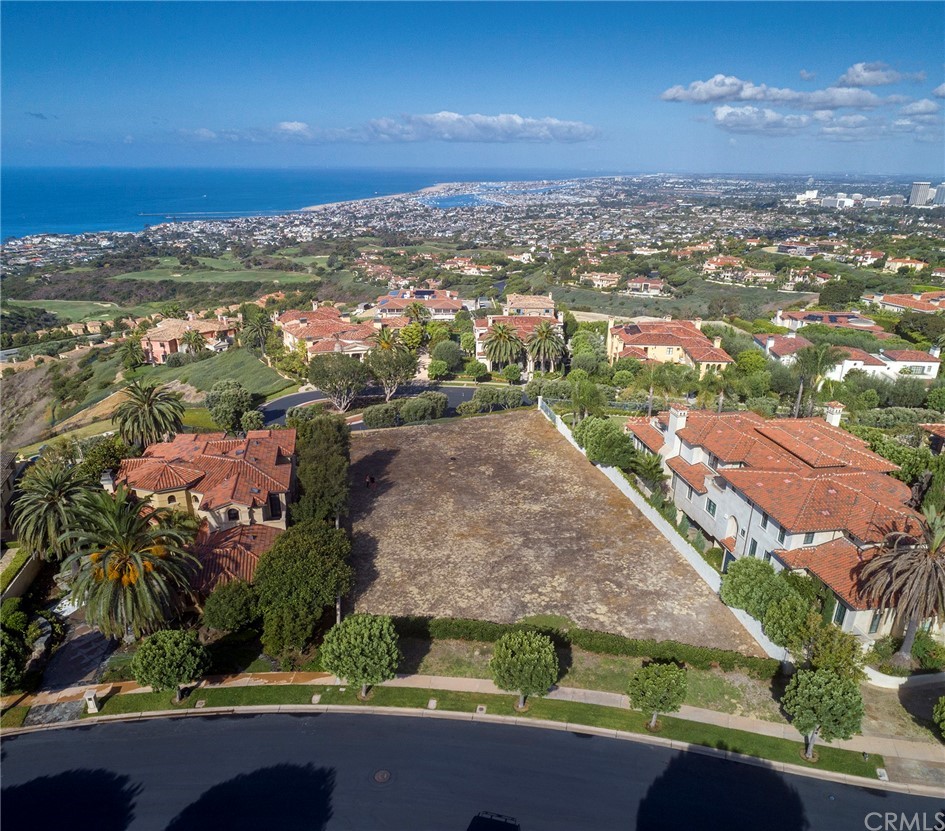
(679, 333)
(645, 432)
(782, 344)
(223, 471)
(837, 563)
(231, 554)
(911, 355)
(692, 475)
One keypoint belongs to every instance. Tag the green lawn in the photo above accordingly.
(82, 310)
(199, 418)
(228, 275)
(94, 429)
(13, 716)
(19, 560)
(238, 364)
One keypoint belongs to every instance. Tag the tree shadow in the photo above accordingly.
(286, 797)
(363, 561)
(376, 464)
(689, 793)
(414, 651)
(77, 799)
(918, 700)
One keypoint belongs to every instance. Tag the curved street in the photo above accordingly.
(367, 772)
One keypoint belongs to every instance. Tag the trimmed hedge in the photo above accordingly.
(601, 643)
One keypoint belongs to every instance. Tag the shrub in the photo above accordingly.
(468, 408)
(749, 584)
(622, 379)
(363, 649)
(227, 401)
(231, 606)
(450, 353)
(380, 415)
(936, 399)
(786, 620)
(13, 657)
(477, 370)
(417, 409)
(929, 653)
(251, 420)
(512, 373)
(897, 416)
(166, 660)
(440, 402)
(657, 688)
(938, 715)
(524, 662)
(437, 370)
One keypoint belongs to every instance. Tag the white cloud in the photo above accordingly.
(939, 91)
(764, 121)
(204, 134)
(721, 88)
(875, 74)
(807, 75)
(922, 107)
(454, 127)
(296, 129)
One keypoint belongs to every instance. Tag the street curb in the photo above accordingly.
(486, 718)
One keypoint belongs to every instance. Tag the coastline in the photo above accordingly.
(437, 188)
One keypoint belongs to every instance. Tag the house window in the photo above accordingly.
(275, 506)
(710, 507)
(809, 538)
(669, 350)
(171, 499)
(764, 520)
(767, 556)
(233, 515)
(781, 535)
(875, 621)
(840, 614)
(689, 495)
(753, 548)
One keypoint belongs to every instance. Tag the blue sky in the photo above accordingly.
(700, 87)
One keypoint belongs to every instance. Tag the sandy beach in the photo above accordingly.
(438, 188)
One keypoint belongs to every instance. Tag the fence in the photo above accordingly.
(708, 574)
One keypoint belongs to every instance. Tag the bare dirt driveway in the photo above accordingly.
(498, 518)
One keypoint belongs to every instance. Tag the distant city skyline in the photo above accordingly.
(755, 88)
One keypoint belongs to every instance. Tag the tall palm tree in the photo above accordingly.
(131, 353)
(256, 331)
(416, 312)
(148, 414)
(44, 507)
(194, 340)
(130, 570)
(388, 339)
(908, 573)
(811, 365)
(502, 344)
(545, 345)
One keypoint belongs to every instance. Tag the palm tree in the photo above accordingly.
(194, 340)
(908, 573)
(131, 353)
(148, 414)
(130, 570)
(502, 344)
(388, 339)
(44, 508)
(544, 344)
(811, 364)
(416, 312)
(256, 332)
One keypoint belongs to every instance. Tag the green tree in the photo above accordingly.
(450, 352)
(467, 341)
(194, 340)
(657, 688)
(416, 312)
(323, 455)
(512, 373)
(129, 570)
(131, 353)
(231, 606)
(908, 573)
(751, 360)
(476, 369)
(227, 401)
(252, 420)
(168, 660)
(256, 331)
(545, 346)
(823, 705)
(362, 649)
(587, 398)
(13, 656)
(524, 662)
(502, 344)
(437, 370)
(45, 505)
(787, 622)
(149, 413)
(833, 649)
(391, 368)
(104, 453)
(752, 585)
(938, 715)
(387, 340)
(412, 336)
(305, 571)
(340, 377)
(936, 399)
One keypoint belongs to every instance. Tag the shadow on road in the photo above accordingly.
(720, 796)
(286, 797)
(76, 799)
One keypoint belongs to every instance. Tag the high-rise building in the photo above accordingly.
(939, 195)
(920, 193)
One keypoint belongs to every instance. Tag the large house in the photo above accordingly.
(522, 325)
(928, 302)
(802, 494)
(666, 341)
(168, 336)
(835, 320)
(323, 330)
(439, 303)
(783, 348)
(237, 487)
(529, 305)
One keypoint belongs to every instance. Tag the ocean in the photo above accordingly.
(74, 200)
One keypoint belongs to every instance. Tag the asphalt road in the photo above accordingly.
(274, 412)
(363, 773)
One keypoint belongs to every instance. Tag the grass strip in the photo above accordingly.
(19, 560)
(14, 716)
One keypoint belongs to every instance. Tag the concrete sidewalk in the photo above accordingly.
(896, 748)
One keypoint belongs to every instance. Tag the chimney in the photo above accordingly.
(778, 319)
(107, 481)
(935, 351)
(677, 421)
(314, 305)
(834, 411)
(768, 344)
(717, 341)
(697, 322)
(791, 334)
(191, 315)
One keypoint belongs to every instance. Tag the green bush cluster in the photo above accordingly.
(179, 359)
(929, 653)
(426, 406)
(602, 643)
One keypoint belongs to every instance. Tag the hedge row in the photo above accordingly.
(601, 643)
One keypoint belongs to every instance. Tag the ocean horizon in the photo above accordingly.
(72, 200)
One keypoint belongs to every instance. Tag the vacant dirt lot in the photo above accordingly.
(499, 517)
